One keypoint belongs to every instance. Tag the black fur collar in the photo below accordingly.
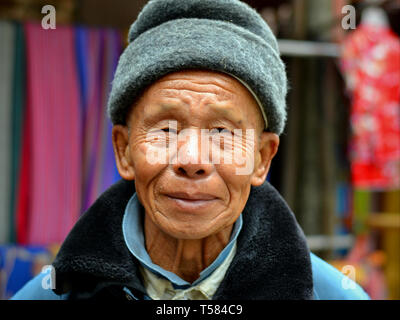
(272, 260)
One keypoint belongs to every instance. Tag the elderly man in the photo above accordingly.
(198, 104)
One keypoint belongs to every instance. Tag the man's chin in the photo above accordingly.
(192, 234)
(185, 231)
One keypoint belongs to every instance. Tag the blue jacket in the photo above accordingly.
(272, 261)
(328, 285)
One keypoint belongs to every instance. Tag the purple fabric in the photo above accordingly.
(103, 47)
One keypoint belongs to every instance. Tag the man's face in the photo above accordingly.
(188, 117)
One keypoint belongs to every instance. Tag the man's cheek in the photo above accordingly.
(146, 162)
(229, 174)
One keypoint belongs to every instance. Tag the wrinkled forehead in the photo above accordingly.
(221, 89)
(175, 84)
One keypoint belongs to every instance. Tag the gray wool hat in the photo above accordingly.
(220, 35)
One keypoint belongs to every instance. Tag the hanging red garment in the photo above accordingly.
(51, 166)
(22, 198)
(371, 64)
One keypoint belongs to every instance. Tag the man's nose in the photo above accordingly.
(192, 159)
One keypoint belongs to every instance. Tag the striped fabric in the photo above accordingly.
(53, 131)
(7, 46)
(97, 55)
(62, 155)
(17, 123)
(91, 48)
(107, 173)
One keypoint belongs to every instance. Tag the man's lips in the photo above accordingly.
(191, 196)
(193, 201)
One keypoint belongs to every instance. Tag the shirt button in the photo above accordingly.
(128, 296)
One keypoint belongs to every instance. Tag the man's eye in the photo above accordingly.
(221, 130)
(171, 130)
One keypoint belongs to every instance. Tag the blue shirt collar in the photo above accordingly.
(132, 229)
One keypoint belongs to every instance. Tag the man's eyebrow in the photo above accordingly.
(227, 111)
(161, 109)
(168, 107)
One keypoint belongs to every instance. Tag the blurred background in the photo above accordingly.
(338, 165)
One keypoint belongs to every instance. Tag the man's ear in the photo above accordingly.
(268, 147)
(120, 140)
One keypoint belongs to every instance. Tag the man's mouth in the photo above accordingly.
(189, 196)
(191, 201)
